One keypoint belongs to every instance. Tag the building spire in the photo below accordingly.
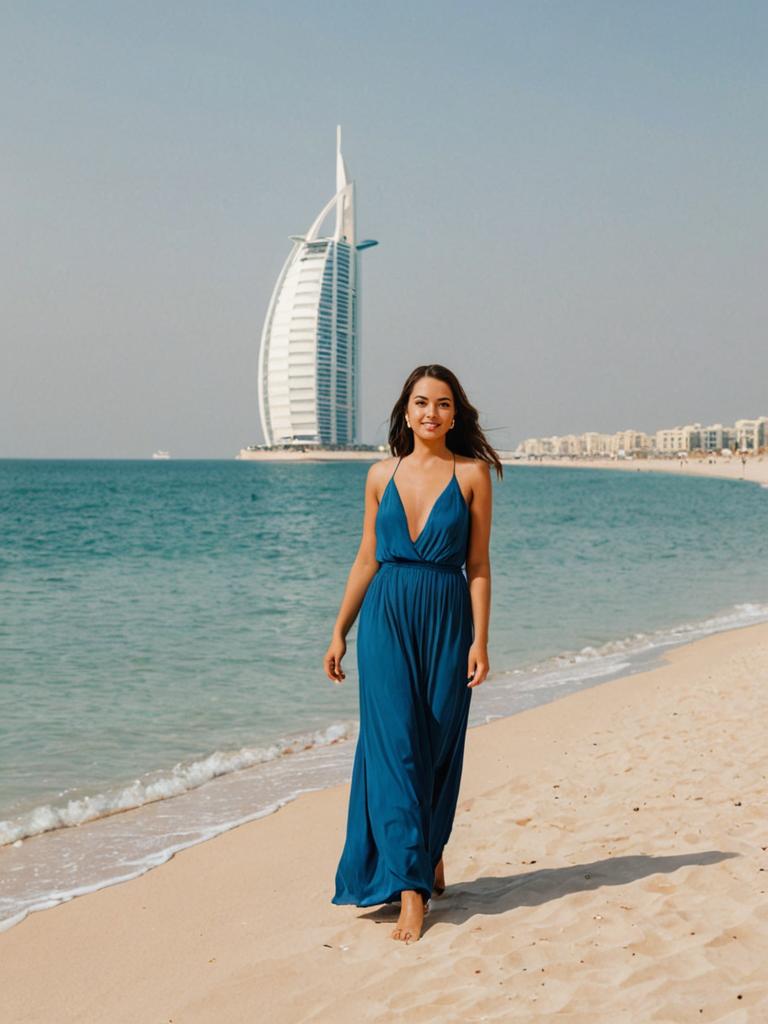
(343, 201)
(342, 177)
(345, 198)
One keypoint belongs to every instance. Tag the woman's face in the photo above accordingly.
(430, 408)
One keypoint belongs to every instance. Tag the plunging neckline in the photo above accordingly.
(436, 502)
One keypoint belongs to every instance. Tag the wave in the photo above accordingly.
(520, 688)
(161, 785)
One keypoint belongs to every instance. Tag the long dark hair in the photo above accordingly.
(466, 436)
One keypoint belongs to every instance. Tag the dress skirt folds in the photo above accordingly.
(413, 639)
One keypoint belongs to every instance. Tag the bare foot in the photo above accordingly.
(409, 924)
(439, 884)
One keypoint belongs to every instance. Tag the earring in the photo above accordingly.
(452, 423)
(407, 423)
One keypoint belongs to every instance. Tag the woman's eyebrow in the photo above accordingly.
(444, 398)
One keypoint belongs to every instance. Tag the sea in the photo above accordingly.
(163, 626)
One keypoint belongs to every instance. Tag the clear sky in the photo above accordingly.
(569, 198)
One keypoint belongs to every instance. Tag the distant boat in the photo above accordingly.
(161, 455)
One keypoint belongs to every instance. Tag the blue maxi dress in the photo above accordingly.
(413, 638)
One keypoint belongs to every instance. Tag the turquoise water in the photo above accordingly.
(163, 623)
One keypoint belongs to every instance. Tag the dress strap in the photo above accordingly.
(454, 462)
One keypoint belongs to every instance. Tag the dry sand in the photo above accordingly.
(608, 864)
(756, 468)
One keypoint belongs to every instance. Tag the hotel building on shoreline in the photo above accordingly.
(309, 359)
(744, 436)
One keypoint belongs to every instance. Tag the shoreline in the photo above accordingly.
(755, 471)
(261, 930)
(57, 864)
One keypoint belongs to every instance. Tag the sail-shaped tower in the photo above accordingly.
(309, 360)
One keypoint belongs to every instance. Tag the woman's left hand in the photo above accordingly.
(477, 664)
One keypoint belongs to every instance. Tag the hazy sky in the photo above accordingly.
(569, 198)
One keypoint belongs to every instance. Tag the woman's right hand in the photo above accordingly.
(332, 660)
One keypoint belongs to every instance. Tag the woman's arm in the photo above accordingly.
(479, 570)
(364, 568)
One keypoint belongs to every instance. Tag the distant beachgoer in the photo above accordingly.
(421, 645)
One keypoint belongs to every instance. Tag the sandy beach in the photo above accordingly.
(608, 863)
(756, 468)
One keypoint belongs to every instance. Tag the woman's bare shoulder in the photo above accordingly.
(383, 467)
(473, 469)
(472, 473)
(380, 471)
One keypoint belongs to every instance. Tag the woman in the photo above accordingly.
(422, 644)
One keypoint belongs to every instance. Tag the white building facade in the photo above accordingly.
(309, 359)
(671, 440)
(747, 435)
(751, 435)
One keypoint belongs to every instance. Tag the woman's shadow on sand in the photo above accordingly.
(498, 894)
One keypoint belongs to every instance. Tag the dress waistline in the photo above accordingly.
(407, 563)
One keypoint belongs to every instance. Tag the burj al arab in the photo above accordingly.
(309, 359)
